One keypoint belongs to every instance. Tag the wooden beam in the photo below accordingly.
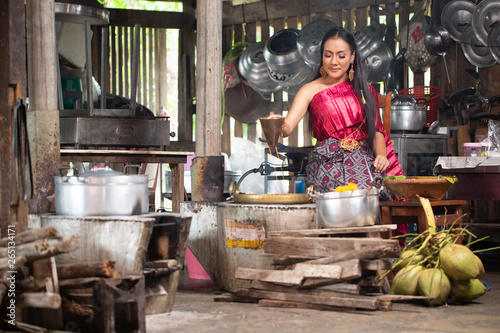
(276, 9)
(146, 18)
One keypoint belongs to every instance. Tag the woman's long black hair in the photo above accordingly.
(360, 82)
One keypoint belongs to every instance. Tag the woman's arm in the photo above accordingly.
(381, 163)
(297, 111)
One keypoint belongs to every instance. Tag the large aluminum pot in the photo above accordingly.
(102, 192)
(408, 118)
(347, 209)
(281, 53)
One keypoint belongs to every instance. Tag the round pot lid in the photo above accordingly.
(377, 63)
(456, 15)
(369, 39)
(474, 50)
(487, 12)
(494, 41)
(309, 40)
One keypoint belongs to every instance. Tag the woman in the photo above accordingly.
(345, 119)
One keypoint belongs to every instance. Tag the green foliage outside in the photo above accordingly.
(165, 6)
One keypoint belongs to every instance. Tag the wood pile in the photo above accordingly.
(326, 269)
(41, 294)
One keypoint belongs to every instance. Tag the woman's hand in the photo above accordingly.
(381, 163)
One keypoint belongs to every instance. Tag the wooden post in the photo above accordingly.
(186, 73)
(208, 84)
(13, 81)
(43, 115)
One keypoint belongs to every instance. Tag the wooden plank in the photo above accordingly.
(234, 298)
(284, 277)
(324, 246)
(333, 231)
(351, 269)
(319, 271)
(300, 305)
(378, 251)
(152, 19)
(367, 303)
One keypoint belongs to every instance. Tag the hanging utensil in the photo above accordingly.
(456, 15)
(437, 40)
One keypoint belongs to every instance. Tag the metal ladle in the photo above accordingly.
(437, 40)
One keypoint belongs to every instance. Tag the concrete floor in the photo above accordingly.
(194, 310)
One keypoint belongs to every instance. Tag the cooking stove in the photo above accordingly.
(417, 153)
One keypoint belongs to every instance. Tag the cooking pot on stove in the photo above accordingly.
(102, 192)
(407, 114)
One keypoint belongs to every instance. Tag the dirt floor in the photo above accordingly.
(194, 310)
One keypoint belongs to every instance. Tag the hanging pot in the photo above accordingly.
(309, 41)
(102, 192)
(253, 68)
(281, 52)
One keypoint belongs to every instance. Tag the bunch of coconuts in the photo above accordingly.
(435, 266)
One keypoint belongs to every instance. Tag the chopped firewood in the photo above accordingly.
(31, 235)
(89, 269)
(43, 249)
(326, 247)
(367, 303)
(235, 298)
(300, 305)
(72, 308)
(80, 283)
(40, 300)
(7, 263)
(333, 231)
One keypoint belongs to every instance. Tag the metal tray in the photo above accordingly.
(269, 199)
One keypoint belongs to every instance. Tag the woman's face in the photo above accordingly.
(337, 57)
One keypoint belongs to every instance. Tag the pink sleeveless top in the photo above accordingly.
(336, 112)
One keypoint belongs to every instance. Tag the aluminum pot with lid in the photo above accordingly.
(102, 192)
(407, 114)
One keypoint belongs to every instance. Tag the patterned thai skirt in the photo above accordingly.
(330, 166)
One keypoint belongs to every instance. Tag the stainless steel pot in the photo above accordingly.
(408, 118)
(102, 192)
(281, 53)
(347, 209)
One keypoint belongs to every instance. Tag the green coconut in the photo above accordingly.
(464, 291)
(408, 257)
(406, 280)
(458, 262)
(480, 265)
(434, 283)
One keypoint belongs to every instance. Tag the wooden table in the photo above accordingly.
(405, 212)
(175, 159)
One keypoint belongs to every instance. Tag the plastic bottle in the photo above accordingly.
(473, 152)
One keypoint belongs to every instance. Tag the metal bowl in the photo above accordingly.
(291, 82)
(309, 41)
(369, 39)
(281, 53)
(347, 209)
(253, 68)
(408, 118)
(377, 63)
